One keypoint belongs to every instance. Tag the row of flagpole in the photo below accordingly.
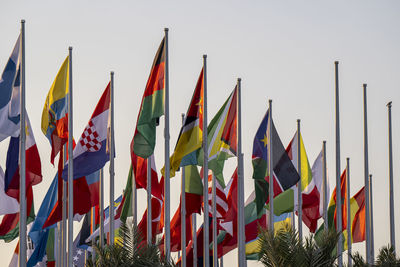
(241, 237)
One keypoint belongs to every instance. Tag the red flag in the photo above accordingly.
(358, 226)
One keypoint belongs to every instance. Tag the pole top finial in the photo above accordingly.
(324, 142)
(298, 120)
(70, 48)
(239, 79)
(336, 62)
(364, 85)
(112, 72)
(205, 56)
(389, 104)
(22, 21)
(183, 115)
(166, 29)
(347, 159)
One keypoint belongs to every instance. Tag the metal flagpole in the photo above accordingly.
(101, 208)
(214, 220)
(57, 245)
(349, 260)
(112, 152)
(324, 186)
(134, 202)
(270, 171)
(299, 200)
(183, 210)
(221, 261)
(70, 167)
(338, 189)
(391, 196)
(93, 215)
(167, 243)
(194, 234)
(64, 215)
(206, 251)
(149, 201)
(240, 197)
(371, 218)
(366, 173)
(22, 137)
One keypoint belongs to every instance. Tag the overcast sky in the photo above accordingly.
(283, 51)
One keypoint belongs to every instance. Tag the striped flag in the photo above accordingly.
(222, 203)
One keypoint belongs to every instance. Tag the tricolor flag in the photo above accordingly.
(55, 111)
(285, 174)
(10, 95)
(191, 134)
(151, 109)
(33, 165)
(91, 153)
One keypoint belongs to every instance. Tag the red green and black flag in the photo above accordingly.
(152, 107)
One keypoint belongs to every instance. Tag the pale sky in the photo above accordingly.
(283, 51)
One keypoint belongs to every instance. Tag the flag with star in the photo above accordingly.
(191, 134)
(78, 256)
(284, 173)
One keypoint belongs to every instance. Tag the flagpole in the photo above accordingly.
(149, 228)
(270, 172)
(167, 243)
(93, 213)
(366, 173)
(112, 174)
(299, 200)
(325, 186)
(221, 261)
(371, 218)
(194, 238)
(22, 139)
(57, 245)
(134, 202)
(214, 220)
(183, 210)
(206, 251)
(338, 189)
(101, 208)
(70, 167)
(240, 197)
(64, 215)
(348, 207)
(391, 196)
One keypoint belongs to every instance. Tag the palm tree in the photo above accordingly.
(129, 251)
(285, 249)
(385, 258)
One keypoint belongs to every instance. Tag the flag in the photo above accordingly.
(90, 153)
(285, 174)
(191, 135)
(358, 220)
(151, 108)
(29, 251)
(312, 213)
(39, 235)
(78, 254)
(7, 204)
(193, 189)
(33, 166)
(156, 205)
(55, 111)
(88, 227)
(86, 195)
(332, 208)
(139, 167)
(311, 187)
(221, 205)
(10, 95)
(222, 140)
(9, 226)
